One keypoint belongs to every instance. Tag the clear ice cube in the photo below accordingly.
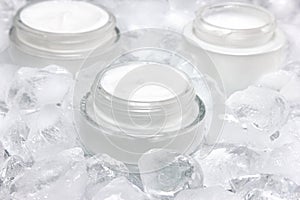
(276, 80)
(225, 162)
(70, 186)
(261, 108)
(45, 173)
(3, 37)
(291, 92)
(283, 161)
(15, 133)
(7, 73)
(51, 131)
(33, 88)
(266, 186)
(236, 133)
(102, 169)
(120, 189)
(165, 173)
(137, 14)
(11, 168)
(282, 9)
(210, 193)
(3, 154)
(293, 67)
(8, 8)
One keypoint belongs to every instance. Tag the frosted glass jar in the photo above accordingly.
(100, 112)
(60, 32)
(242, 40)
(135, 107)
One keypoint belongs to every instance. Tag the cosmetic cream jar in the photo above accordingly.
(148, 92)
(242, 40)
(135, 107)
(60, 32)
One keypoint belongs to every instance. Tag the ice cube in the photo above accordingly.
(282, 9)
(291, 92)
(276, 80)
(15, 133)
(3, 154)
(235, 133)
(3, 37)
(210, 193)
(135, 178)
(12, 167)
(284, 161)
(8, 8)
(7, 73)
(261, 108)
(188, 7)
(165, 173)
(226, 162)
(137, 14)
(293, 67)
(120, 189)
(266, 186)
(33, 88)
(293, 42)
(51, 131)
(102, 169)
(176, 20)
(47, 172)
(70, 186)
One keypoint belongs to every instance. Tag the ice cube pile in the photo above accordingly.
(257, 156)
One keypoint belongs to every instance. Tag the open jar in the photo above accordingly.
(242, 40)
(60, 32)
(135, 107)
(150, 93)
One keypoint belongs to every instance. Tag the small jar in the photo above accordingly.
(60, 32)
(137, 106)
(242, 40)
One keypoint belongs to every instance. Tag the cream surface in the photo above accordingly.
(235, 19)
(144, 82)
(64, 16)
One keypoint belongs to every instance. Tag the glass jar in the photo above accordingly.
(242, 40)
(150, 93)
(144, 110)
(57, 32)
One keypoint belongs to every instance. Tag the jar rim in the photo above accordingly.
(230, 36)
(200, 15)
(17, 19)
(53, 45)
(97, 86)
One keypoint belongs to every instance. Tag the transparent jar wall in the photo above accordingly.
(151, 45)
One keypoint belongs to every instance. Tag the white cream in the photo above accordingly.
(144, 82)
(64, 16)
(235, 19)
